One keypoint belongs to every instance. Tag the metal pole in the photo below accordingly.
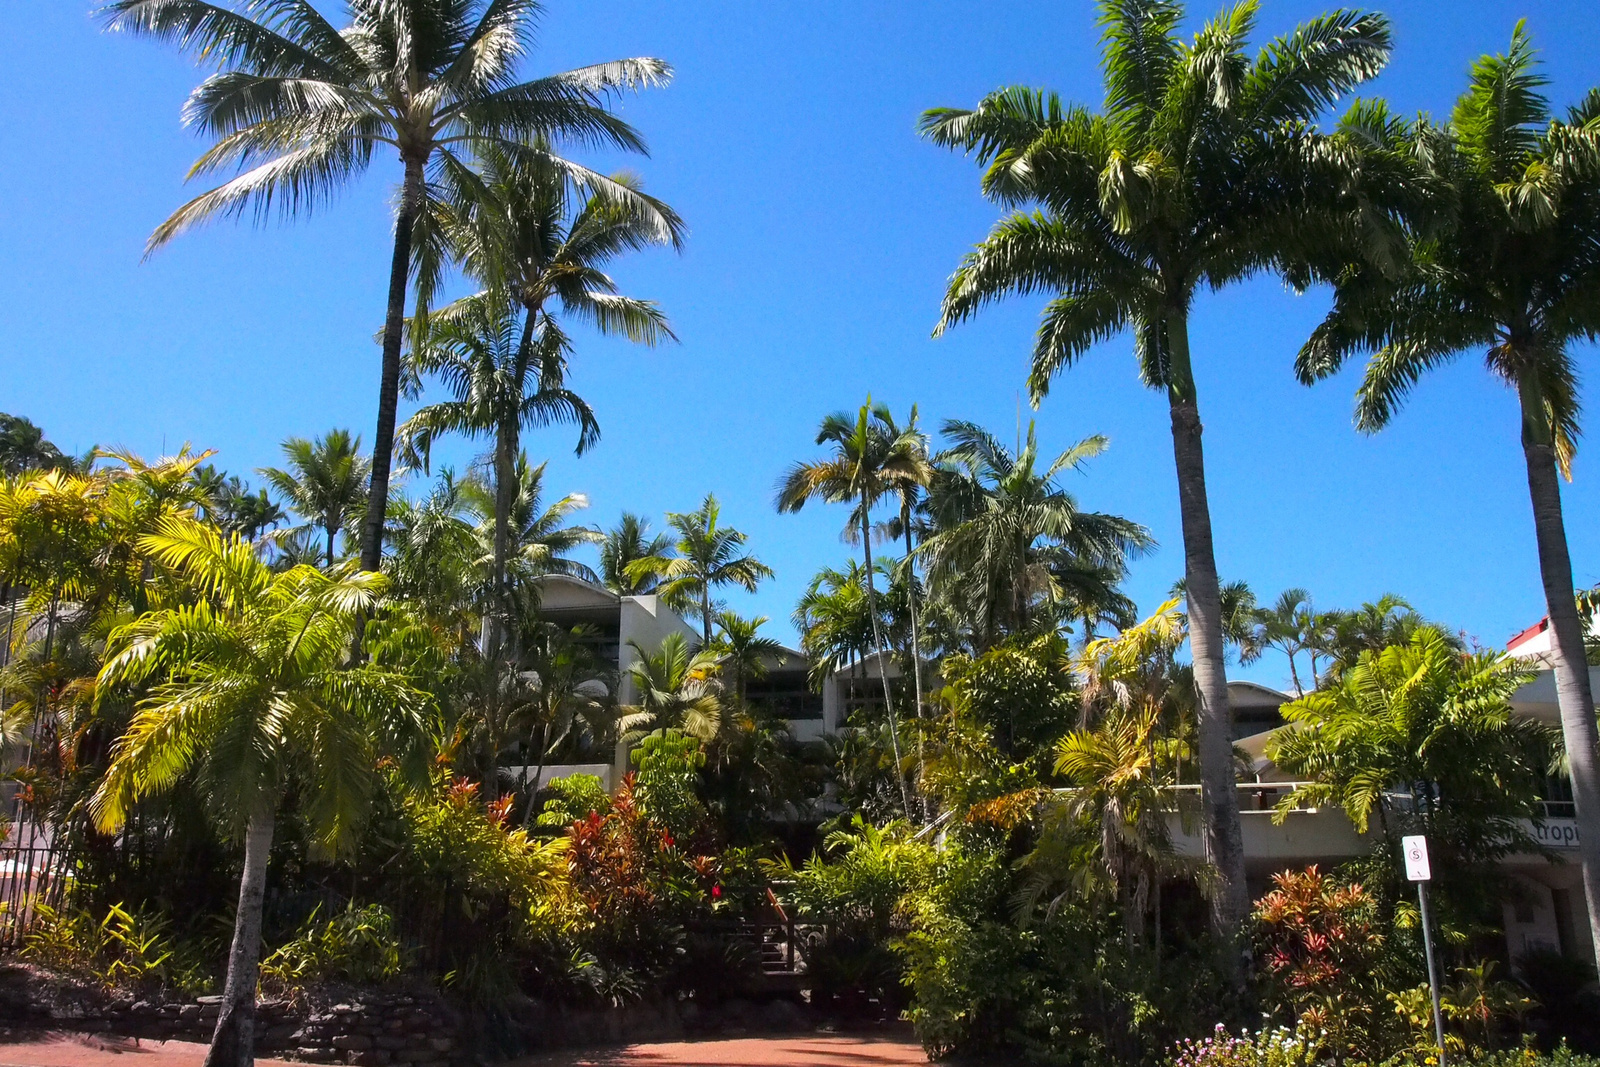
(1433, 974)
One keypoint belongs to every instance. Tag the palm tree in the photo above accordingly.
(504, 379)
(1514, 272)
(519, 224)
(1425, 718)
(299, 107)
(325, 483)
(542, 536)
(1290, 625)
(434, 549)
(833, 620)
(910, 493)
(708, 556)
(1203, 168)
(23, 447)
(252, 686)
(741, 650)
(1108, 830)
(565, 692)
(1010, 540)
(869, 462)
(628, 541)
(675, 691)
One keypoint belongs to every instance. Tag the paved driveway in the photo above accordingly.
(93, 1050)
(830, 1050)
(810, 1051)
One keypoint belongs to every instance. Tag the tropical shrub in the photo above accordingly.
(133, 951)
(1322, 957)
(856, 899)
(478, 897)
(572, 798)
(1476, 1008)
(665, 787)
(358, 945)
(1063, 988)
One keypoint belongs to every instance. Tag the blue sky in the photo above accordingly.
(821, 232)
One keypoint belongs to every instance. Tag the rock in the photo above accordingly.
(373, 1058)
(316, 1055)
(441, 1044)
(352, 1042)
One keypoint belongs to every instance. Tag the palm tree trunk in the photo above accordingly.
(916, 654)
(389, 381)
(1230, 902)
(1573, 692)
(233, 1041)
(705, 612)
(883, 666)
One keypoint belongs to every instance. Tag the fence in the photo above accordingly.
(33, 871)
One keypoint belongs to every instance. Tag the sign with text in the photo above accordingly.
(1553, 833)
(1415, 850)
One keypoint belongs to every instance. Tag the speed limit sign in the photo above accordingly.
(1415, 850)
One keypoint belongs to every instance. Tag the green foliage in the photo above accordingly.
(666, 787)
(859, 895)
(127, 951)
(1022, 691)
(1063, 989)
(357, 945)
(574, 797)
(1477, 1007)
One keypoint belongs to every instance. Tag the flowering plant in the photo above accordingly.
(1278, 1047)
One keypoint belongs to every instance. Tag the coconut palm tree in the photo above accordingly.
(1513, 271)
(1202, 168)
(741, 651)
(675, 691)
(708, 556)
(504, 377)
(299, 108)
(520, 224)
(325, 483)
(1012, 544)
(625, 543)
(869, 462)
(251, 687)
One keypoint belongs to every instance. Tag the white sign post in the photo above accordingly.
(1415, 852)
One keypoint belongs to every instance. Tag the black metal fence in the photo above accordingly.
(33, 871)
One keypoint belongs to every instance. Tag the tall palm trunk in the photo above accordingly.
(1230, 902)
(883, 666)
(916, 652)
(233, 1041)
(1573, 692)
(705, 612)
(389, 382)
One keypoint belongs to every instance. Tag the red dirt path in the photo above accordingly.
(820, 1050)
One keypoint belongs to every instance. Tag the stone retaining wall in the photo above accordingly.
(367, 1029)
(413, 1027)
